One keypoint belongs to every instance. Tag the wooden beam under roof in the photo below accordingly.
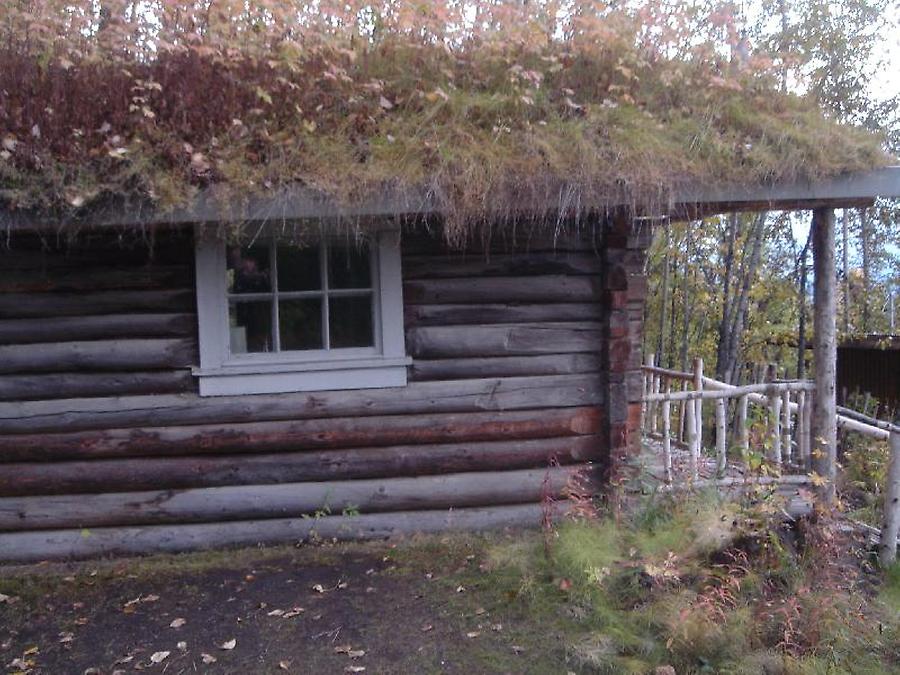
(300, 203)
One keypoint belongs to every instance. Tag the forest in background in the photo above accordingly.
(737, 289)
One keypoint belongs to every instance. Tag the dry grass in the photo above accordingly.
(493, 130)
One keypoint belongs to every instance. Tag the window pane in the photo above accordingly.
(350, 322)
(250, 325)
(299, 268)
(249, 269)
(348, 266)
(300, 323)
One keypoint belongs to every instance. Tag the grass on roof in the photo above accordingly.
(491, 127)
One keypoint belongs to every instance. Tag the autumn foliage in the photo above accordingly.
(483, 104)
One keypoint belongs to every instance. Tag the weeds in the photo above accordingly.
(702, 586)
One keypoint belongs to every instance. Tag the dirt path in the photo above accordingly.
(331, 609)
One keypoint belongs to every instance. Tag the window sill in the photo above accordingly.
(274, 378)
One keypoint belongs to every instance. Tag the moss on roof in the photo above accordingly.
(480, 121)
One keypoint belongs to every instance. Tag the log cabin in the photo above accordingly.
(166, 387)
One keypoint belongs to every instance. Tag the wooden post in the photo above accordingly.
(654, 406)
(774, 417)
(667, 441)
(888, 547)
(807, 429)
(693, 447)
(800, 426)
(786, 425)
(645, 389)
(824, 421)
(698, 404)
(721, 458)
(775, 414)
(743, 430)
(681, 414)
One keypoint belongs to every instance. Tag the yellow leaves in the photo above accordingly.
(263, 95)
(437, 95)
(817, 480)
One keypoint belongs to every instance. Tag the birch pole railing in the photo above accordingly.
(787, 402)
(789, 407)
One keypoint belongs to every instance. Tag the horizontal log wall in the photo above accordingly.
(99, 315)
(508, 404)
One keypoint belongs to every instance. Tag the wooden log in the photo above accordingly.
(519, 240)
(698, 404)
(291, 500)
(667, 441)
(517, 393)
(95, 279)
(468, 266)
(786, 425)
(69, 328)
(824, 422)
(94, 355)
(743, 430)
(78, 544)
(437, 342)
(503, 289)
(721, 443)
(52, 259)
(69, 385)
(503, 366)
(491, 313)
(95, 476)
(732, 392)
(807, 428)
(693, 446)
(887, 551)
(800, 427)
(310, 434)
(29, 305)
(775, 419)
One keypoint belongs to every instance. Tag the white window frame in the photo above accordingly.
(222, 373)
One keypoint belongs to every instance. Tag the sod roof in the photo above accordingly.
(479, 124)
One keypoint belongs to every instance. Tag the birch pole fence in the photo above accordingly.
(790, 408)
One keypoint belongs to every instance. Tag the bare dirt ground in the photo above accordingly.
(413, 607)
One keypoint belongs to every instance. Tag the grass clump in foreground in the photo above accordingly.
(701, 586)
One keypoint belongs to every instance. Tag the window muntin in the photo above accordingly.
(283, 298)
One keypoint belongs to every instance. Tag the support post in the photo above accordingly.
(824, 422)
(693, 447)
(888, 547)
(800, 427)
(743, 430)
(698, 404)
(667, 440)
(786, 425)
(721, 457)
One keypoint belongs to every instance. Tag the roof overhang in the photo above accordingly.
(300, 203)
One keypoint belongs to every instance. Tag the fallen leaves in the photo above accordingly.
(159, 657)
(228, 645)
(177, 623)
(208, 658)
(130, 606)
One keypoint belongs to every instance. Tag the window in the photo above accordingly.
(277, 317)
